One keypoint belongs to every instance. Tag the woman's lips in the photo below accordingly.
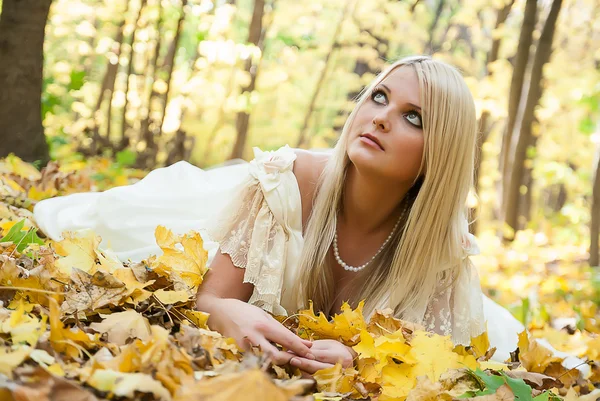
(368, 141)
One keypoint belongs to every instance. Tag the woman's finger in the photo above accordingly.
(308, 365)
(330, 356)
(279, 334)
(277, 357)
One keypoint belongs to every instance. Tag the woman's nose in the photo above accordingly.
(381, 122)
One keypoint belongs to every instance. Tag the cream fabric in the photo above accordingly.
(253, 212)
(261, 229)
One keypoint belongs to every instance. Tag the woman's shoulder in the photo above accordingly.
(308, 166)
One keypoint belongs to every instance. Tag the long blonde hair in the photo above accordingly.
(428, 245)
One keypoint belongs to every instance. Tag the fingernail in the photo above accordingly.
(295, 361)
(310, 356)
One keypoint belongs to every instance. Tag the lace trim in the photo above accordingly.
(456, 307)
(250, 233)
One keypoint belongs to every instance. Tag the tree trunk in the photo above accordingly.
(302, 140)
(255, 36)
(22, 25)
(526, 139)
(169, 63)
(108, 85)
(125, 139)
(595, 214)
(514, 98)
(147, 126)
(484, 125)
(434, 23)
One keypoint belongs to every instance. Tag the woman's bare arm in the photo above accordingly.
(224, 295)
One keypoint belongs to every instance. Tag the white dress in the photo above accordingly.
(253, 212)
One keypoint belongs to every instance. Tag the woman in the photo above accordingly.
(382, 218)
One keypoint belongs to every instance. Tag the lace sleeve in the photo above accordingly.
(260, 229)
(456, 307)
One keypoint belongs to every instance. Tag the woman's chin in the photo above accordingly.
(367, 159)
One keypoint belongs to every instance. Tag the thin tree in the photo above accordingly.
(147, 126)
(302, 139)
(108, 86)
(526, 139)
(484, 123)
(22, 25)
(169, 63)
(521, 60)
(255, 37)
(125, 138)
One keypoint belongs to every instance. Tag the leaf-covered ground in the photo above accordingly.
(77, 324)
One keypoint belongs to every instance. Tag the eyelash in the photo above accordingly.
(414, 111)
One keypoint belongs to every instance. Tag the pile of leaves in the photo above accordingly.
(78, 324)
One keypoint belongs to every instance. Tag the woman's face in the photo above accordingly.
(391, 116)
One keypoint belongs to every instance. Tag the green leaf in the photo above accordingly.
(521, 390)
(22, 239)
(490, 383)
(15, 233)
(542, 397)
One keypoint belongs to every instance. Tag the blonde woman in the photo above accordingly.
(382, 218)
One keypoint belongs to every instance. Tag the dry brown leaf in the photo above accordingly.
(241, 386)
(121, 326)
(504, 393)
(535, 380)
(426, 390)
(41, 386)
(89, 292)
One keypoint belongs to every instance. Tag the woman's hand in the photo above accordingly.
(250, 326)
(327, 353)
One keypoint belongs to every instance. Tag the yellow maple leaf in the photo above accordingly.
(434, 355)
(78, 250)
(533, 356)
(24, 327)
(480, 344)
(397, 381)
(383, 348)
(345, 327)
(189, 264)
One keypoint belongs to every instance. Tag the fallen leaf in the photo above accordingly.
(78, 249)
(89, 292)
(171, 297)
(126, 384)
(121, 326)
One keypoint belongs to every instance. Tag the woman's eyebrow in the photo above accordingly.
(410, 104)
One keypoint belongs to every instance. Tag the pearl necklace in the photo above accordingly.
(349, 268)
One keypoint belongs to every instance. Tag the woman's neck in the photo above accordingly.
(369, 203)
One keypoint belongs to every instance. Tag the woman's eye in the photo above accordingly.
(414, 118)
(376, 94)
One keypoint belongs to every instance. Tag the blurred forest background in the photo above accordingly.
(145, 83)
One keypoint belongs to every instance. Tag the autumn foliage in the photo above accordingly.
(76, 323)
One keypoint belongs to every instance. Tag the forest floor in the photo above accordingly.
(77, 324)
